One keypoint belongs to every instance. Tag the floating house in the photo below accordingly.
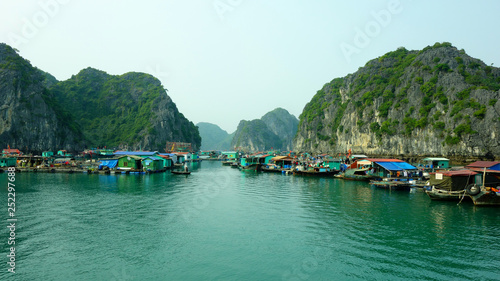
(152, 163)
(489, 172)
(231, 155)
(390, 167)
(256, 159)
(64, 153)
(283, 161)
(47, 154)
(436, 162)
(168, 163)
(479, 166)
(181, 158)
(135, 153)
(172, 156)
(109, 163)
(333, 163)
(129, 162)
(8, 162)
(208, 154)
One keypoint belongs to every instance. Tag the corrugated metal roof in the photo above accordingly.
(483, 164)
(153, 158)
(457, 173)
(481, 170)
(376, 160)
(131, 156)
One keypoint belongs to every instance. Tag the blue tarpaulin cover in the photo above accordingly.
(396, 166)
(108, 163)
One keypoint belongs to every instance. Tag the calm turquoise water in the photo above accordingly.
(223, 224)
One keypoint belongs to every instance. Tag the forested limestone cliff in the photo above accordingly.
(436, 101)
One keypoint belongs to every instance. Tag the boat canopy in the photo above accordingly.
(452, 180)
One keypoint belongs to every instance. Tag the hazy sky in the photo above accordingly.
(227, 60)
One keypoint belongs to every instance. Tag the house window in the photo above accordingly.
(125, 164)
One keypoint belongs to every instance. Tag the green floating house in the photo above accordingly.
(129, 162)
(152, 163)
(231, 155)
(434, 162)
(168, 162)
(8, 162)
(47, 154)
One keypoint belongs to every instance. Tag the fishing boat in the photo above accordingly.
(485, 190)
(484, 195)
(227, 163)
(250, 167)
(449, 185)
(357, 175)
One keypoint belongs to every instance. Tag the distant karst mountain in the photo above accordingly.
(275, 130)
(437, 101)
(91, 109)
(213, 137)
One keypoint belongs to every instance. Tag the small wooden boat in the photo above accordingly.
(358, 175)
(180, 172)
(251, 167)
(445, 195)
(227, 163)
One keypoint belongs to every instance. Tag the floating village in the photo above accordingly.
(478, 182)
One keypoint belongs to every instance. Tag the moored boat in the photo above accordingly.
(449, 185)
(483, 195)
(488, 192)
(358, 175)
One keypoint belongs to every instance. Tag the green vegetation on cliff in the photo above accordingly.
(275, 129)
(436, 95)
(123, 110)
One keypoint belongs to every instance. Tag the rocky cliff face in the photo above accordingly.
(129, 111)
(437, 101)
(283, 124)
(30, 119)
(213, 137)
(275, 130)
